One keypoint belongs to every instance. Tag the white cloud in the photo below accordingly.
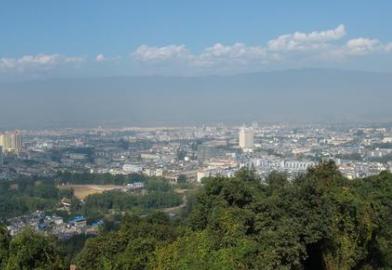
(388, 47)
(218, 54)
(297, 49)
(362, 46)
(148, 53)
(41, 61)
(237, 50)
(242, 54)
(100, 58)
(238, 53)
(73, 59)
(291, 50)
(304, 41)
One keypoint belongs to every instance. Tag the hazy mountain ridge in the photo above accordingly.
(294, 95)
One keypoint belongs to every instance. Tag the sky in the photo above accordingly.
(74, 38)
(154, 61)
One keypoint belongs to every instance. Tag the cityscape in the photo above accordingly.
(196, 152)
(182, 154)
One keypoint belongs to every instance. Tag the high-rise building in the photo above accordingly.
(246, 138)
(11, 142)
(1, 156)
(16, 140)
(4, 142)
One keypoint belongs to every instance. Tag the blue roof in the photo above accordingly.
(42, 226)
(78, 219)
(97, 222)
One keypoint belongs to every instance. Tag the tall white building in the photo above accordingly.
(11, 141)
(246, 138)
(1, 156)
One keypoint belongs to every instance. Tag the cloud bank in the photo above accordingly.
(37, 62)
(321, 48)
(315, 47)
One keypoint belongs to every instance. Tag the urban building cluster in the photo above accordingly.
(190, 153)
(53, 225)
(196, 152)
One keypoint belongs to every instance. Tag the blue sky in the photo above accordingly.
(46, 38)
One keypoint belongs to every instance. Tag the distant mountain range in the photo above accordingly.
(290, 96)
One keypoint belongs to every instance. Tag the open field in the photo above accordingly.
(82, 191)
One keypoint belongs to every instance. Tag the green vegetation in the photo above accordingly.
(320, 220)
(29, 250)
(353, 156)
(100, 179)
(131, 247)
(158, 194)
(182, 179)
(97, 205)
(26, 195)
(70, 248)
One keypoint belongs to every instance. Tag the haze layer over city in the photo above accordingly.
(196, 135)
(295, 96)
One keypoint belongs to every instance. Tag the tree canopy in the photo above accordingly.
(30, 250)
(319, 220)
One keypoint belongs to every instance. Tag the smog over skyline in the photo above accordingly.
(296, 96)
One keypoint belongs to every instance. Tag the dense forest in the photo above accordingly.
(320, 220)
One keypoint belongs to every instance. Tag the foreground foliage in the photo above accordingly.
(320, 220)
(29, 250)
(131, 247)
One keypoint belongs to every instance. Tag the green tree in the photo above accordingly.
(5, 239)
(30, 250)
(320, 220)
(182, 179)
(131, 247)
